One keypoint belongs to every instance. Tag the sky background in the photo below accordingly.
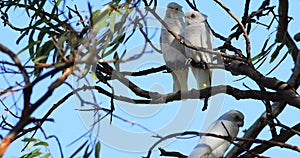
(70, 124)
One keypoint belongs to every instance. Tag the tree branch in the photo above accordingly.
(240, 68)
(277, 108)
(282, 32)
(284, 136)
(228, 138)
(26, 95)
(248, 45)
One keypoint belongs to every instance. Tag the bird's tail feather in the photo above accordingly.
(180, 78)
(203, 78)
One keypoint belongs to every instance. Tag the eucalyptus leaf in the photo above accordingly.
(282, 59)
(97, 150)
(276, 52)
(41, 143)
(46, 155)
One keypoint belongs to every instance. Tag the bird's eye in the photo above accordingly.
(237, 118)
(193, 16)
(176, 9)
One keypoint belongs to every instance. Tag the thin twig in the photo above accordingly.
(248, 45)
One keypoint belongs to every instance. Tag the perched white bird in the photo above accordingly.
(212, 147)
(198, 33)
(172, 50)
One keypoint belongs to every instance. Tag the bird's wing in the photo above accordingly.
(180, 71)
(219, 145)
(180, 51)
(215, 128)
(206, 41)
(174, 53)
(160, 42)
(194, 35)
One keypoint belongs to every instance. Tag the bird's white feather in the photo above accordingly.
(198, 33)
(211, 147)
(172, 50)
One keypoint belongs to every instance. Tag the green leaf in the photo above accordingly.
(111, 50)
(112, 22)
(267, 52)
(97, 150)
(265, 45)
(30, 140)
(263, 61)
(100, 17)
(117, 40)
(115, 43)
(276, 52)
(117, 2)
(41, 143)
(116, 62)
(46, 155)
(31, 49)
(258, 56)
(94, 75)
(30, 45)
(43, 52)
(58, 2)
(32, 154)
(42, 56)
(41, 36)
(262, 51)
(282, 59)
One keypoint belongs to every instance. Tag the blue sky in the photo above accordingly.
(69, 124)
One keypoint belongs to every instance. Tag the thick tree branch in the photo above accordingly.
(277, 108)
(285, 92)
(240, 68)
(282, 32)
(283, 8)
(208, 92)
(284, 136)
(104, 67)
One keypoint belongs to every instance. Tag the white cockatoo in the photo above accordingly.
(199, 34)
(172, 50)
(211, 147)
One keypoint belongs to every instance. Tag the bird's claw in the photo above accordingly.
(188, 61)
(203, 65)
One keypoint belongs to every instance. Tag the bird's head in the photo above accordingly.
(193, 17)
(235, 116)
(174, 10)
